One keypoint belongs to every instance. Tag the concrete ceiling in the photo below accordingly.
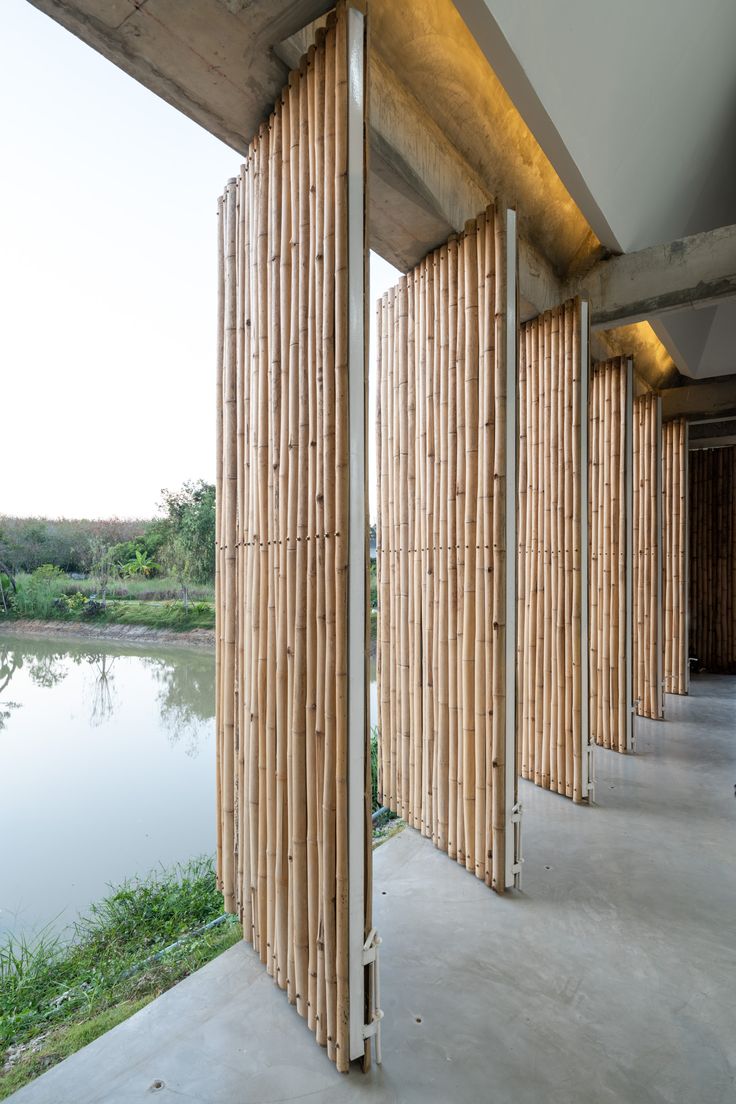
(635, 106)
(600, 122)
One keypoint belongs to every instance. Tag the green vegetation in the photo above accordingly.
(56, 997)
(26, 543)
(160, 574)
(50, 595)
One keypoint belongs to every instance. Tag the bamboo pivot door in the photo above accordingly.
(293, 846)
(446, 426)
(713, 558)
(611, 447)
(553, 551)
(675, 544)
(647, 540)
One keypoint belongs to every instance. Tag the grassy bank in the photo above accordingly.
(56, 997)
(154, 603)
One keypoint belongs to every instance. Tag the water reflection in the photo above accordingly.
(106, 770)
(185, 696)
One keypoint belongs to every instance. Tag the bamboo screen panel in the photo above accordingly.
(552, 544)
(282, 555)
(441, 547)
(713, 559)
(609, 692)
(647, 557)
(674, 541)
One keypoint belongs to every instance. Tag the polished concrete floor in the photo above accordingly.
(610, 977)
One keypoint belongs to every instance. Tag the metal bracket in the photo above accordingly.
(371, 958)
(634, 707)
(591, 772)
(518, 857)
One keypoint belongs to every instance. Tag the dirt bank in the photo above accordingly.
(119, 634)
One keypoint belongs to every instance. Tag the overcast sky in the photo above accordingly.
(107, 281)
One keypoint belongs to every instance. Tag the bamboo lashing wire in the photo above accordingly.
(608, 527)
(282, 530)
(647, 581)
(550, 542)
(712, 535)
(441, 552)
(674, 540)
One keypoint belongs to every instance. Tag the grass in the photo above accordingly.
(57, 996)
(158, 615)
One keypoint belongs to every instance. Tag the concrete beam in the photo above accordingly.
(412, 160)
(213, 60)
(705, 399)
(713, 442)
(691, 272)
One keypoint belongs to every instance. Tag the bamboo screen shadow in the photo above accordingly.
(552, 559)
(674, 539)
(713, 559)
(647, 530)
(282, 556)
(441, 441)
(610, 468)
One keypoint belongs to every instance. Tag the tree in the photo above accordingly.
(189, 547)
(102, 566)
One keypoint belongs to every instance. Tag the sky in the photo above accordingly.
(107, 281)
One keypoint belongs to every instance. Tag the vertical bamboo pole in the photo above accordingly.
(471, 502)
(453, 713)
(341, 543)
(328, 441)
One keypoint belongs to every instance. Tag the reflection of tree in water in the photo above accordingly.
(45, 670)
(186, 693)
(6, 712)
(186, 697)
(10, 662)
(103, 705)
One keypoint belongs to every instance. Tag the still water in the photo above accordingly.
(106, 771)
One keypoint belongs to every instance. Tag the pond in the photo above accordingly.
(106, 771)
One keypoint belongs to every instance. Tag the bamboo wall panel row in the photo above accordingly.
(647, 642)
(551, 545)
(674, 542)
(713, 559)
(609, 707)
(441, 547)
(282, 494)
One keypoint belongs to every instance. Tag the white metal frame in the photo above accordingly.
(629, 570)
(588, 784)
(512, 809)
(357, 538)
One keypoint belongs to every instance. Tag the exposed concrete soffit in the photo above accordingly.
(712, 433)
(422, 187)
(705, 399)
(214, 61)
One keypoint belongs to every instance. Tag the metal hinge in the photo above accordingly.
(518, 858)
(370, 958)
(591, 772)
